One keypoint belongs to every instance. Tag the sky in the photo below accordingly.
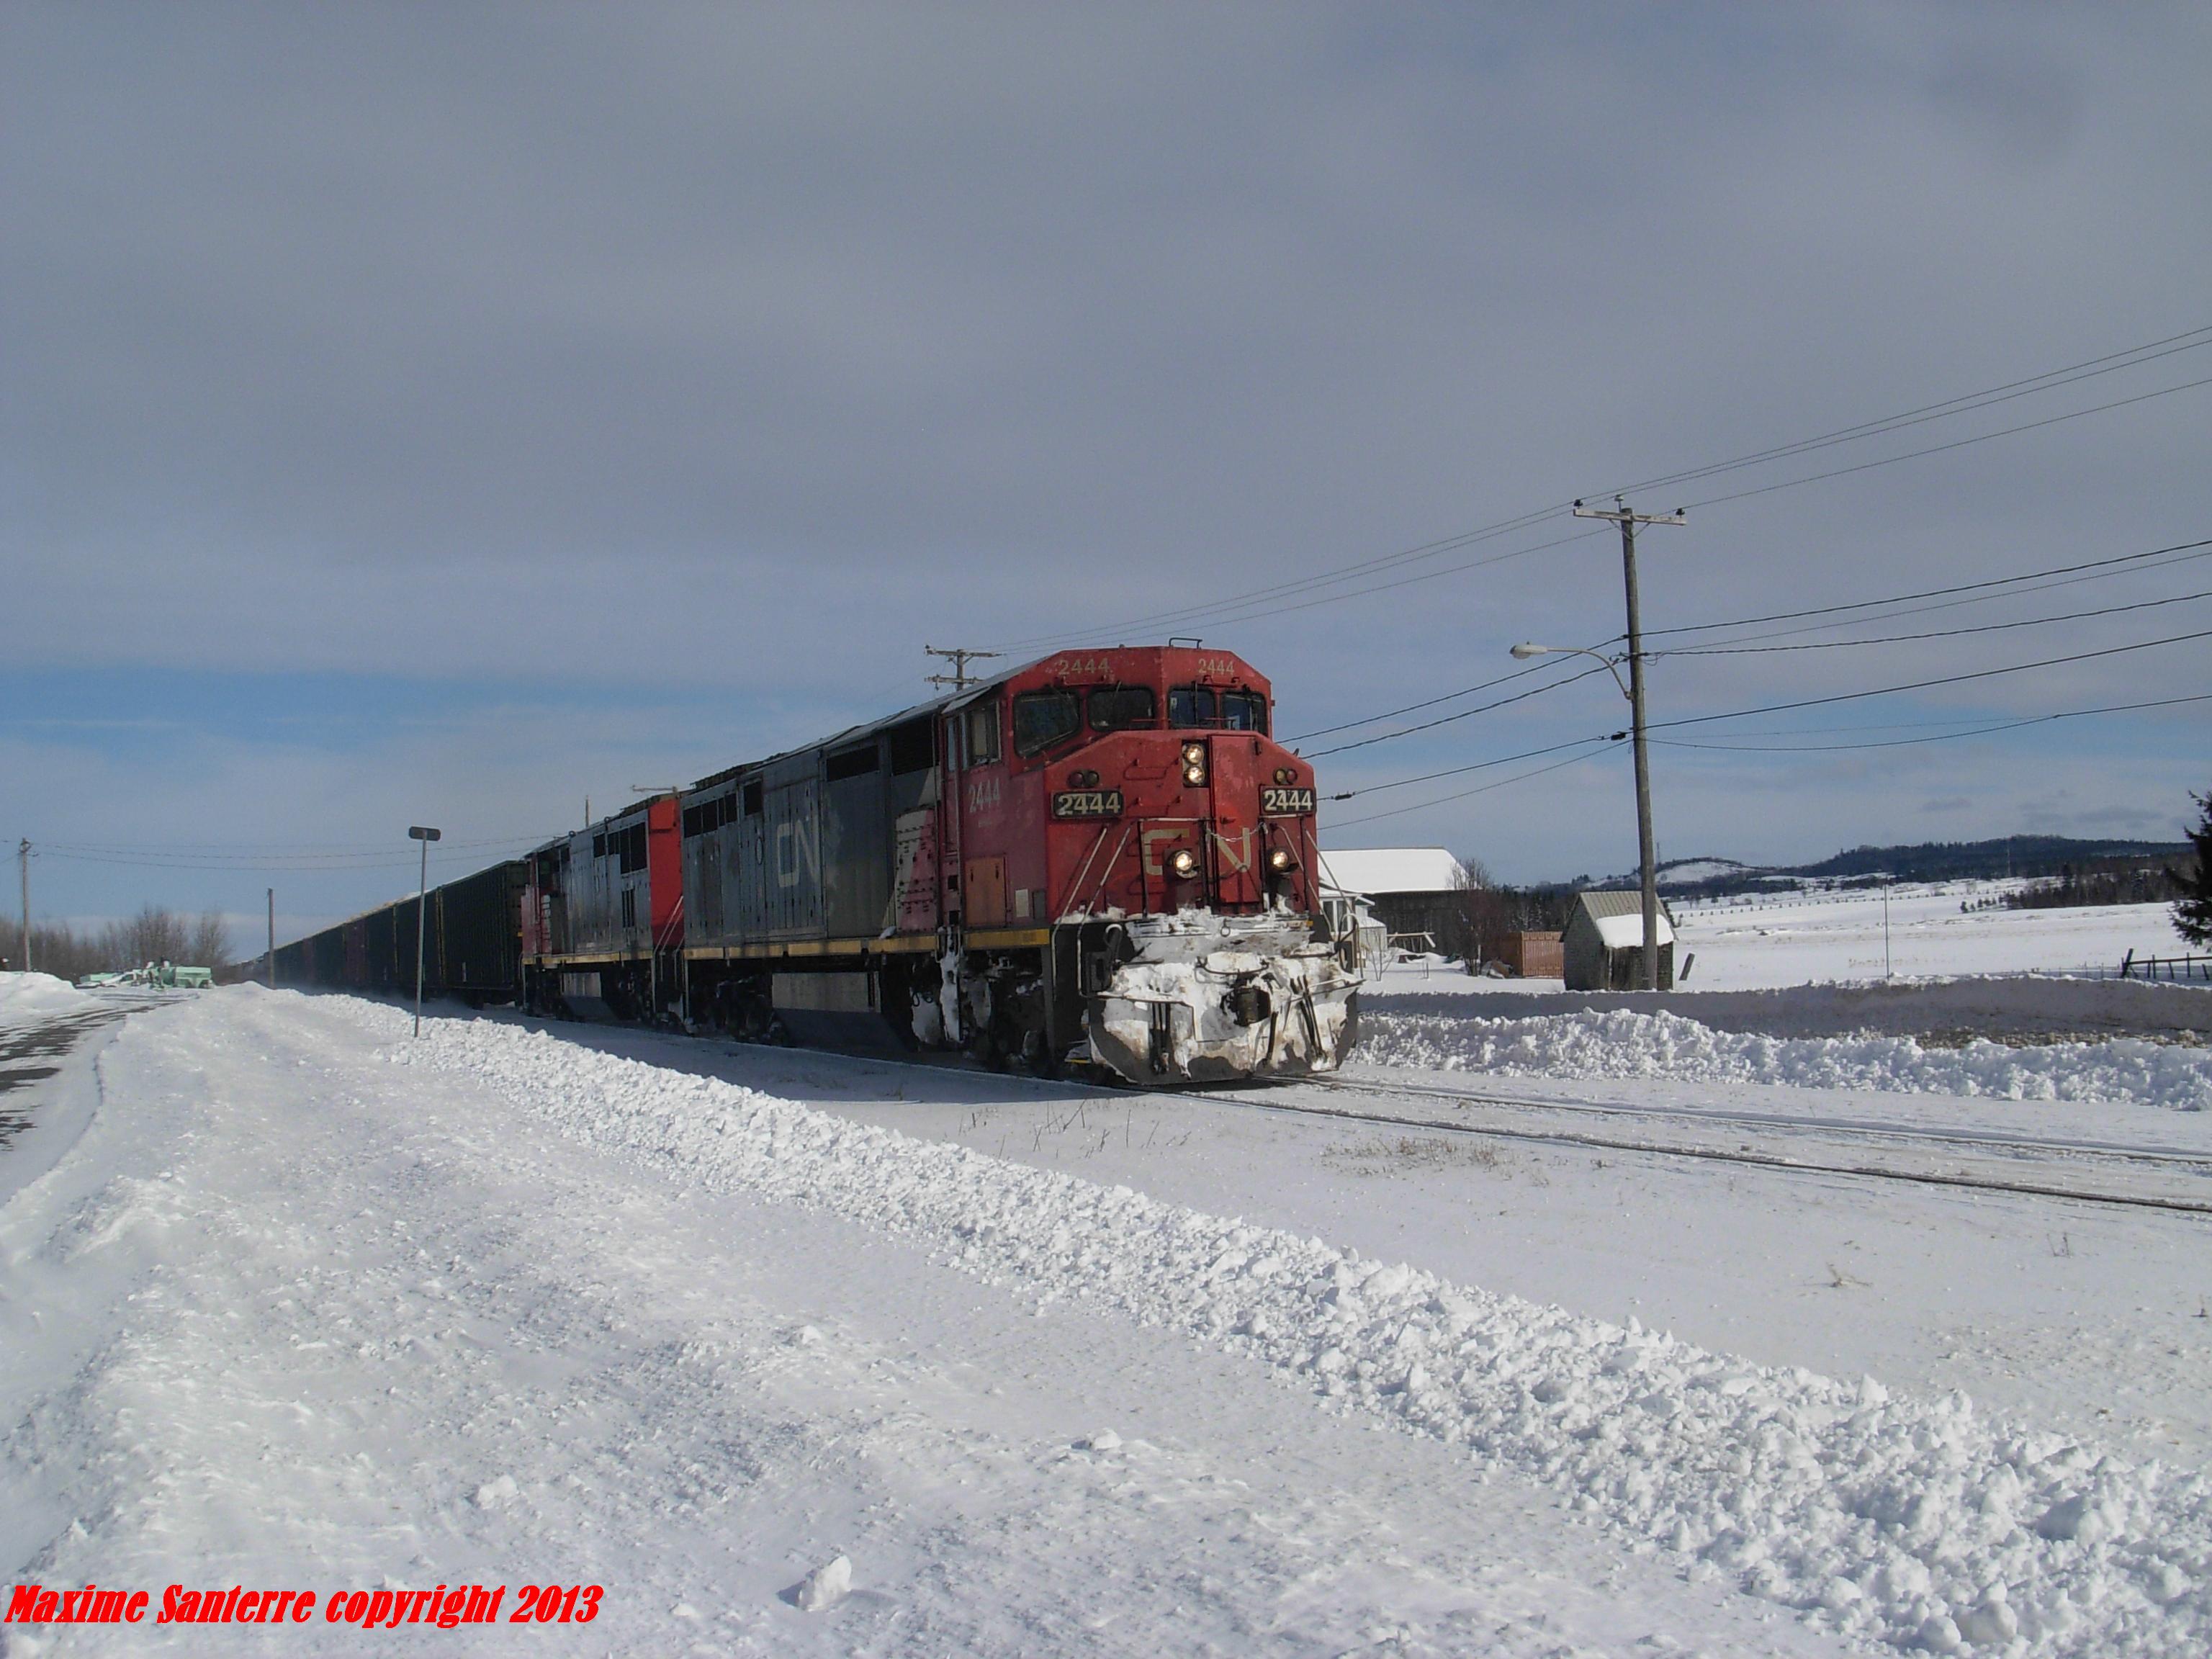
(457, 415)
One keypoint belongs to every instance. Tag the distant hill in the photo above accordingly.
(1927, 861)
(2018, 855)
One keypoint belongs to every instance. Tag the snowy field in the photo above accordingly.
(291, 1299)
(1806, 937)
(1796, 938)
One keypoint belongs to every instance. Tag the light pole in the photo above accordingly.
(421, 907)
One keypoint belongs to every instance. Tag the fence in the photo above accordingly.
(2175, 968)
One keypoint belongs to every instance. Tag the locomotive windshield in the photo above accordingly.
(1114, 707)
(1042, 718)
(1191, 707)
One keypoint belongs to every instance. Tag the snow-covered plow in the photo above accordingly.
(1209, 999)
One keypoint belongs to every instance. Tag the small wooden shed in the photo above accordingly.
(1533, 955)
(1603, 947)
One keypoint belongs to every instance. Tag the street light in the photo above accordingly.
(422, 905)
(1523, 652)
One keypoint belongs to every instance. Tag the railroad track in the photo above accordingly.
(2132, 1178)
(2129, 1177)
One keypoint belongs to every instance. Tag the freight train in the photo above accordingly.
(1102, 857)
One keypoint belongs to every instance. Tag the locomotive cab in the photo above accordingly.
(1131, 808)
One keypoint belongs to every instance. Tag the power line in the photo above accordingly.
(1932, 634)
(162, 859)
(1935, 593)
(1477, 765)
(1480, 789)
(1922, 685)
(1932, 606)
(1446, 719)
(257, 849)
(1956, 443)
(2107, 566)
(1940, 737)
(1966, 403)
(2089, 369)
(1773, 708)
(1595, 746)
(1428, 702)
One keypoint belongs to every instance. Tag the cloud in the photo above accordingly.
(696, 354)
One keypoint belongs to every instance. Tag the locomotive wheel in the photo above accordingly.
(990, 1049)
(1039, 1057)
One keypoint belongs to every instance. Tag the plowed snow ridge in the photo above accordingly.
(1914, 1523)
(1621, 1044)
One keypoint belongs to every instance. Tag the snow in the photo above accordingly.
(309, 1304)
(1621, 1043)
(1627, 932)
(25, 997)
(500, 1305)
(1884, 1517)
(1378, 869)
(825, 1587)
(1799, 938)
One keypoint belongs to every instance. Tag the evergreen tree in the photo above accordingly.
(2192, 911)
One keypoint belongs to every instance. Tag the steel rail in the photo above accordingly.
(1708, 1154)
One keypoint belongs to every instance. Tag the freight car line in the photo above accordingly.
(1712, 1154)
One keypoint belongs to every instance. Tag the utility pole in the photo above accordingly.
(959, 658)
(24, 860)
(1627, 520)
(272, 939)
(421, 907)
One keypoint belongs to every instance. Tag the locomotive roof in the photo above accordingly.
(935, 705)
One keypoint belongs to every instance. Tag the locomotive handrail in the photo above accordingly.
(1097, 841)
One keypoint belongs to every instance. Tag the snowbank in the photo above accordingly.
(2004, 1008)
(1923, 1524)
(1620, 1044)
(25, 997)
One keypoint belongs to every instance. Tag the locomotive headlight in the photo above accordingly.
(1194, 763)
(1280, 860)
(1182, 862)
(1284, 775)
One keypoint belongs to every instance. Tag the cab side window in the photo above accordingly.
(982, 733)
(1042, 718)
(1191, 707)
(1244, 711)
(1115, 708)
(1198, 708)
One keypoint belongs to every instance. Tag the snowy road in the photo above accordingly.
(305, 1302)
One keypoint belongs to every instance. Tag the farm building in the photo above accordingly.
(1603, 949)
(1412, 891)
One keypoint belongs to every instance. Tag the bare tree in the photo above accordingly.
(208, 944)
(155, 934)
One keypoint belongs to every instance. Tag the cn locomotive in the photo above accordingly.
(1102, 857)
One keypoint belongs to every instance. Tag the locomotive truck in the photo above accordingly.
(1102, 856)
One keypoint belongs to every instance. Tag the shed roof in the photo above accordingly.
(1377, 870)
(1618, 918)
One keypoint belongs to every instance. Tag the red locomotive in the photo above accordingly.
(1103, 856)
